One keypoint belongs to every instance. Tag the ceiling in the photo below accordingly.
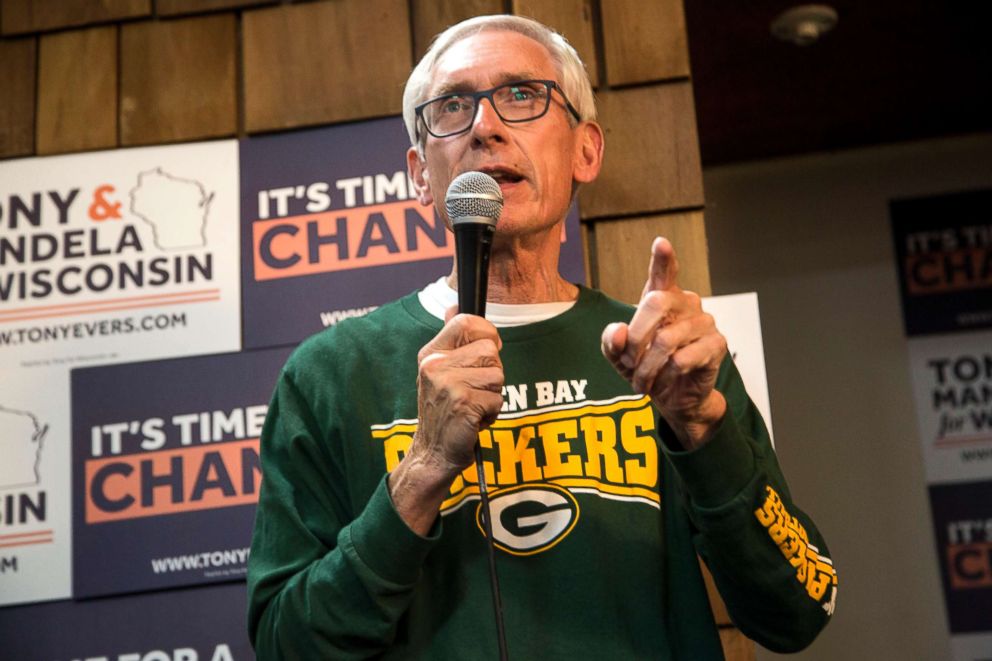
(892, 70)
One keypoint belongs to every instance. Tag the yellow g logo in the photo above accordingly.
(530, 518)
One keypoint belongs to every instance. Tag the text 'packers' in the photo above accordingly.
(603, 447)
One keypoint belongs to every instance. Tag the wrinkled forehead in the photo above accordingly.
(489, 58)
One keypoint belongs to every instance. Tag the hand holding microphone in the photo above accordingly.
(474, 203)
(460, 376)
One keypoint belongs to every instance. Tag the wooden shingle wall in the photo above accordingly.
(77, 90)
(95, 74)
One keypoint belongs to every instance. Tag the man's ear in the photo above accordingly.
(417, 168)
(588, 152)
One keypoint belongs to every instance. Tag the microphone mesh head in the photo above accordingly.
(473, 194)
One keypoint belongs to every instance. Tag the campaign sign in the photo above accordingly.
(952, 387)
(104, 257)
(943, 248)
(128, 254)
(166, 470)
(962, 519)
(198, 624)
(35, 523)
(972, 647)
(739, 321)
(331, 228)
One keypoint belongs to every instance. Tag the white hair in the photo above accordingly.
(574, 80)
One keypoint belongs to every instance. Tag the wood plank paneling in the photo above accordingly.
(174, 7)
(652, 154)
(588, 258)
(573, 19)
(431, 17)
(720, 613)
(623, 252)
(178, 80)
(17, 102)
(19, 16)
(315, 63)
(77, 91)
(736, 646)
(644, 41)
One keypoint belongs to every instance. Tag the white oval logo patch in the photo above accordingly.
(530, 518)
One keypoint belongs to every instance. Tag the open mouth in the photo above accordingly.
(504, 176)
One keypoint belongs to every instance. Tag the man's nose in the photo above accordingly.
(487, 124)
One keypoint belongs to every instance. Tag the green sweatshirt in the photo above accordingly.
(597, 516)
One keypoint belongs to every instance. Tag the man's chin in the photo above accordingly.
(517, 223)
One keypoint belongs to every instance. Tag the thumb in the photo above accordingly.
(614, 341)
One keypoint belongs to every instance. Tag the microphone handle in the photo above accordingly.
(473, 243)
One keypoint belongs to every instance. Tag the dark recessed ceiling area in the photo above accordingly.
(891, 70)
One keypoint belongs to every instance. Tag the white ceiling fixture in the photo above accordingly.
(803, 25)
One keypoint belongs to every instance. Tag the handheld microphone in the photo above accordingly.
(474, 203)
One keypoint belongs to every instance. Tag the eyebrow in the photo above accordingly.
(463, 87)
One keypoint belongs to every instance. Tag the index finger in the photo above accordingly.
(663, 271)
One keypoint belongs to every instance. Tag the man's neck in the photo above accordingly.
(525, 270)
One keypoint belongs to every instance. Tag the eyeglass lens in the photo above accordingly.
(514, 102)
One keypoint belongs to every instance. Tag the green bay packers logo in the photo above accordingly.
(530, 518)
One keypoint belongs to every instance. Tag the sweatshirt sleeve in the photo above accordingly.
(323, 582)
(768, 559)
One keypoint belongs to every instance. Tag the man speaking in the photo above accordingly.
(617, 443)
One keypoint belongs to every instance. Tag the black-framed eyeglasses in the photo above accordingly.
(519, 101)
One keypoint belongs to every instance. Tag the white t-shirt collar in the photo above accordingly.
(437, 297)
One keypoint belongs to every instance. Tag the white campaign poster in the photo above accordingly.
(737, 317)
(952, 387)
(972, 647)
(35, 516)
(105, 257)
(119, 255)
